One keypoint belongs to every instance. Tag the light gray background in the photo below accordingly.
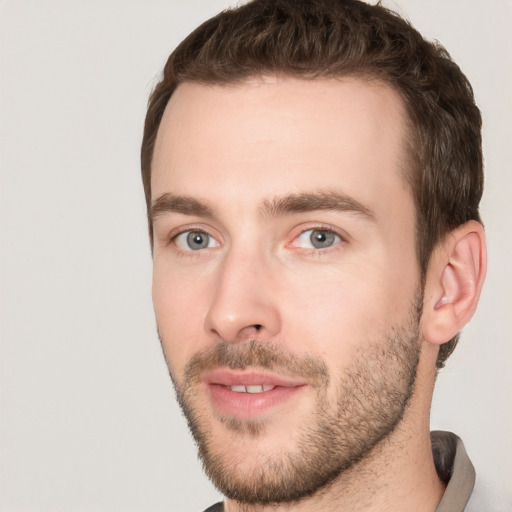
(87, 415)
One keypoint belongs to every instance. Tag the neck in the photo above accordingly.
(398, 475)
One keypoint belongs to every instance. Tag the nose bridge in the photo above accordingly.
(244, 302)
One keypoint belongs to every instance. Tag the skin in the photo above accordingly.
(236, 148)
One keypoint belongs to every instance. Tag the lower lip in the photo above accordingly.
(250, 405)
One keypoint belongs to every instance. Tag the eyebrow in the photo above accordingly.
(314, 201)
(170, 203)
(289, 204)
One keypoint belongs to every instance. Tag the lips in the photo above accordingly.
(249, 394)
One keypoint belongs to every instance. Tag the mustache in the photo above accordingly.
(252, 353)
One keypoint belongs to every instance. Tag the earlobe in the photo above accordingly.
(454, 280)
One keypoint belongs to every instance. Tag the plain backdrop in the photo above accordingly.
(88, 420)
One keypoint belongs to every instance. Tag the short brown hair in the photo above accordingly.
(335, 38)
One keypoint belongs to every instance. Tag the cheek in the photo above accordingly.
(335, 313)
(313, 306)
(328, 318)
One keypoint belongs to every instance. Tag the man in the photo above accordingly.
(312, 172)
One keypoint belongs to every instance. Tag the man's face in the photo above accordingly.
(286, 284)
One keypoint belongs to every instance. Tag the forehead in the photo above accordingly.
(273, 136)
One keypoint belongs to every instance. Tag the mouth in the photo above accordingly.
(249, 394)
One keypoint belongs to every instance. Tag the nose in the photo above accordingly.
(245, 301)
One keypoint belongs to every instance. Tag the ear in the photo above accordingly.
(453, 283)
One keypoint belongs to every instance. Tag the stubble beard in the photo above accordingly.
(372, 395)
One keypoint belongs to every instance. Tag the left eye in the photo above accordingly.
(317, 239)
(195, 241)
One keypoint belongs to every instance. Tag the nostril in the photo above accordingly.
(258, 327)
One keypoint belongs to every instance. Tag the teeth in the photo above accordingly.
(251, 389)
(254, 389)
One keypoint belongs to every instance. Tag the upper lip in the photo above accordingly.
(228, 377)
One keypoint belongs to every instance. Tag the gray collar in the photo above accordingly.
(455, 468)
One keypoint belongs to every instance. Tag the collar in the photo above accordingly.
(454, 468)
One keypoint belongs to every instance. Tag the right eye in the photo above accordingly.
(195, 241)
